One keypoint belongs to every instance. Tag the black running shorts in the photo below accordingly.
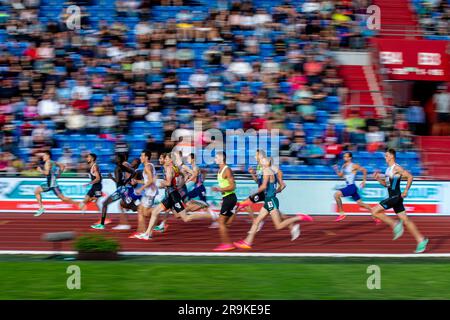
(173, 201)
(395, 202)
(228, 205)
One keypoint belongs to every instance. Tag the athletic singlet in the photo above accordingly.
(349, 175)
(92, 176)
(393, 181)
(173, 182)
(223, 183)
(272, 187)
(259, 174)
(52, 174)
(151, 190)
(121, 176)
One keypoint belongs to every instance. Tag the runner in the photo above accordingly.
(197, 196)
(52, 170)
(122, 175)
(95, 192)
(270, 188)
(349, 171)
(392, 178)
(227, 187)
(257, 176)
(172, 201)
(149, 190)
(128, 196)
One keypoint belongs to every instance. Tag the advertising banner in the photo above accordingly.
(405, 59)
(300, 196)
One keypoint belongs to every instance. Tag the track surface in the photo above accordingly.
(356, 234)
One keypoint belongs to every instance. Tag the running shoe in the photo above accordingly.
(107, 221)
(214, 225)
(304, 217)
(39, 212)
(260, 226)
(134, 235)
(421, 246)
(143, 236)
(224, 247)
(242, 244)
(161, 229)
(340, 217)
(122, 227)
(295, 232)
(98, 226)
(398, 230)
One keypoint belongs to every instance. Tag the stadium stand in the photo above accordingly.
(135, 72)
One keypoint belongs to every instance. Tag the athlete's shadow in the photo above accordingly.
(437, 242)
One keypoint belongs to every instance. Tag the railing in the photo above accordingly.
(400, 30)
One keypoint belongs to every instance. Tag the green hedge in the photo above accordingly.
(96, 243)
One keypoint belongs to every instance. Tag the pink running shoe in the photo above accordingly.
(340, 217)
(304, 217)
(224, 247)
(242, 244)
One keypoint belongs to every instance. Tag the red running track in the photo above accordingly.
(356, 234)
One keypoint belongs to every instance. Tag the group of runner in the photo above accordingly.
(138, 191)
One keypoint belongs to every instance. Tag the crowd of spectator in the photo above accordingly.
(434, 16)
(100, 79)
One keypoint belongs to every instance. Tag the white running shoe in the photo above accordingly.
(143, 236)
(122, 227)
(295, 232)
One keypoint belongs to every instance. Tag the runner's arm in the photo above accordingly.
(96, 175)
(263, 185)
(377, 176)
(406, 174)
(281, 184)
(364, 172)
(61, 166)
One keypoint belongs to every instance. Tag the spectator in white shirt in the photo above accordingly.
(143, 28)
(310, 6)
(441, 100)
(214, 94)
(198, 79)
(269, 66)
(81, 91)
(240, 68)
(141, 66)
(261, 17)
(75, 121)
(260, 108)
(47, 107)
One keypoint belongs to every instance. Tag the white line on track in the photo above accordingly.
(248, 254)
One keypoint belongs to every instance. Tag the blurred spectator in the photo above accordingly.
(67, 160)
(375, 139)
(441, 100)
(416, 118)
(332, 149)
(315, 152)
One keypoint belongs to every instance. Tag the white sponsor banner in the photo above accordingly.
(300, 196)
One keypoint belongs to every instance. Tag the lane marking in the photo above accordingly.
(247, 254)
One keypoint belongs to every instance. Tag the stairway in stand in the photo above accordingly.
(397, 19)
